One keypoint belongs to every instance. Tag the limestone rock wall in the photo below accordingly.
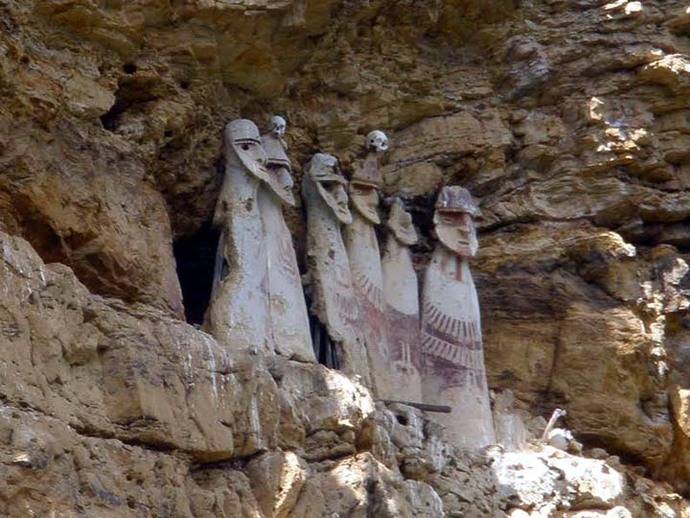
(568, 120)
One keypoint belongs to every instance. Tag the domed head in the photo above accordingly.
(323, 180)
(377, 141)
(400, 223)
(243, 145)
(453, 221)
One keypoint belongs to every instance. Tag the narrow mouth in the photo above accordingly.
(327, 182)
(278, 162)
(363, 184)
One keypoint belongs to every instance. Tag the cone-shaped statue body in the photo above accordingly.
(288, 319)
(365, 262)
(238, 313)
(452, 352)
(334, 305)
(402, 308)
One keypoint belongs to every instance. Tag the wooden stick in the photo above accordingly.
(441, 409)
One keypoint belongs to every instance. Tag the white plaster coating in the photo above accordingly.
(333, 296)
(238, 312)
(288, 318)
(401, 294)
(367, 274)
(278, 163)
(452, 352)
(365, 261)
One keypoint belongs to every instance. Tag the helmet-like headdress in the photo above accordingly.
(456, 199)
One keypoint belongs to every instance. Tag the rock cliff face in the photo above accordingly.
(568, 120)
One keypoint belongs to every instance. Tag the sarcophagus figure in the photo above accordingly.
(401, 294)
(238, 312)
(365, 260)
(452, 352)
(334, 306)
(288, 320)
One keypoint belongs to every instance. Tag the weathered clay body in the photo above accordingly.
(401, 296)
(453, 356)
(365, 262)
(278, 163)
(238, 312)
(334, 304)
(288, 319)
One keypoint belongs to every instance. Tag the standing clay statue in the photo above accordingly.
(334, 305)
(402, 307)
(365, 260)
(288, 318)
(452, 351)
(238, 313)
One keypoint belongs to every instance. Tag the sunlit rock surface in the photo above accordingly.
(568, 121)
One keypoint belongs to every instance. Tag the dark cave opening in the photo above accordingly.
(196, 257)
(325, 350)
(111, 117)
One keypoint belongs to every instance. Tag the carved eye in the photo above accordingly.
(246, 147)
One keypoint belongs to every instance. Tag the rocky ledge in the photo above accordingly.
(115, 410)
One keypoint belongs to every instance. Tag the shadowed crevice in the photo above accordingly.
(195, 256)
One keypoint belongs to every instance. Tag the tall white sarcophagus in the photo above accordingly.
(288, 320)
(452, 352)
(365, 260)
(238, 314)
(401, 293)
(337, 338)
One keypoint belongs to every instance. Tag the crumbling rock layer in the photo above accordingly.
(568, 120)
(111, 410)
(115, 410)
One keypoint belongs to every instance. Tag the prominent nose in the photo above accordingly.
(262, 157)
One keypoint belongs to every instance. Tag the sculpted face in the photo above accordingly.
(367, 179)
(365, 198)
(377, 141)
(457, 232)
(323, 170)
(400, 223)
(279, 166)
(453, 221)
(243, 139)
(281, 183)
(278, 126)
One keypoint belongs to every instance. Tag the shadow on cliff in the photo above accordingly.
(195, 256)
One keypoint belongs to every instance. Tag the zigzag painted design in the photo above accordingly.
(451, 329)
(454, 353)
(369, 289)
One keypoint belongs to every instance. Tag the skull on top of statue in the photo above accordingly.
(377, 141)
(278, 126)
